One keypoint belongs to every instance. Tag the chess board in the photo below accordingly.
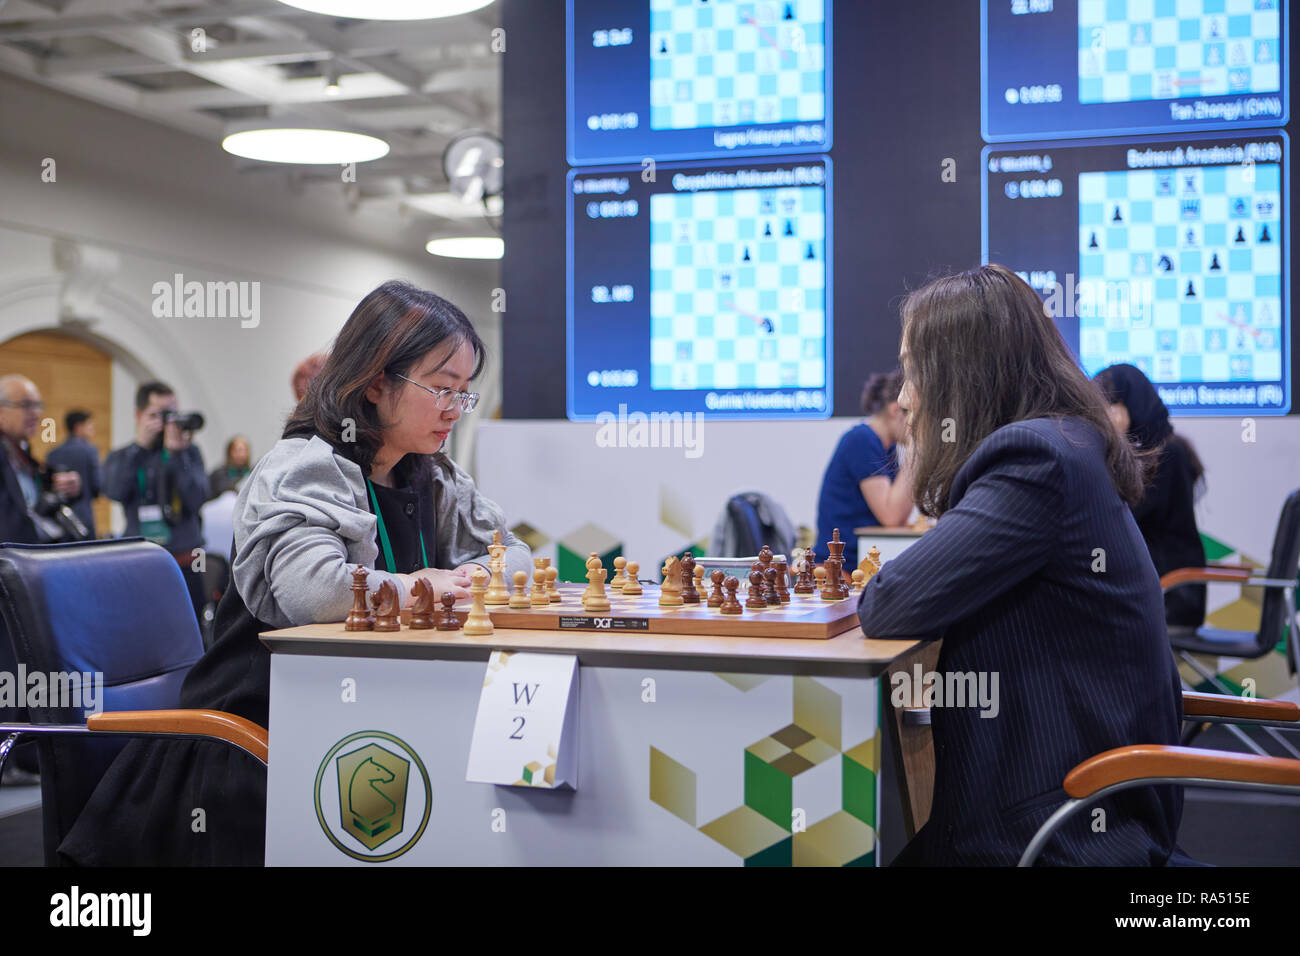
(738, 288)
(1165, 49)
(1197, 253)
(728, 63)
(806, 616)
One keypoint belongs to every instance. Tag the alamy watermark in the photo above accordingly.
(83, 690)
(950, 689)
(626, 429)
(208, 300)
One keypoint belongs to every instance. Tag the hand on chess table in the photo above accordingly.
(457, 582)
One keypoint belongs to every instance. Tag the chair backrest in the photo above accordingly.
(116, 608)
(1284, 565)
(744, 530)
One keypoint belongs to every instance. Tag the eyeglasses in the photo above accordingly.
(445, 398)
(25, 406)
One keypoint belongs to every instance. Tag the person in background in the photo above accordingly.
(22, 478)
(862, 486)
(238, 464)
(1166, 515)
(78, 453)
(161, 484)
(304, 372)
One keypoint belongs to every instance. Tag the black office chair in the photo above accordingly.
(118, 608)
(1278, 618)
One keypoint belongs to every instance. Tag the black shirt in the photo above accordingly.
(1167, 519)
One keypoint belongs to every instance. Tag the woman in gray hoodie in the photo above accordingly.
(359, 477)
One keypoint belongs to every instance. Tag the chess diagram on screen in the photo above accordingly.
(728, 63)
(1164, 49)
(738, 283)
(1198, 253)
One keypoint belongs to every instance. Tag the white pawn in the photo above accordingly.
(519, 595)
(540, 597)
(478, 624)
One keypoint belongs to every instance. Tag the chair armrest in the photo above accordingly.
(203, 723)
(1188, 575)
(1246, 708)
(1153, 761)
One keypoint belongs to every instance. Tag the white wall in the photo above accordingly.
(557, 478)
(163, 202)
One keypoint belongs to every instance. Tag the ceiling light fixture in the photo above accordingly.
(467, 247)
(389, 9)
(298, 145)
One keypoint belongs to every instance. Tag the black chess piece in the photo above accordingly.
(745, 257)
(770, 593)
(690, 595)
(1117, 217)
(789, 228)
(755, 598)
(767, 230)
(730, 604)
(1241, 235)
(716, 597)
(1092, 241)
(1214, 263)
(810, 254)
(1263, 234)
(1191, 290)
(447, 620)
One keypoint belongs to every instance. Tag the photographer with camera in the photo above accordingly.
(160, 480)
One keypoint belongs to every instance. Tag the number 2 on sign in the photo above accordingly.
(517, 735)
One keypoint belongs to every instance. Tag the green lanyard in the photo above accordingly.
(139, 475)
(389, 563)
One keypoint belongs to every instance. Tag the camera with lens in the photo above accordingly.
(185, 421)
(61, 523)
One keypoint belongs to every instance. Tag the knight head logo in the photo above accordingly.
(376, 788)
(372, 793)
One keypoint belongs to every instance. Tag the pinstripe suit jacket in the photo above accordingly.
(1011, 578)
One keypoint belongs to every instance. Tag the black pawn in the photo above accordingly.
(810, 254)
(1191, 290)
(1117, 217)
(789, 13)
(1214, 263)
(767, 230)
(789, 228)
(663, 46)
(1092, 241)
(1241, 236)
(770, 594)
(1263, 234)
(745, 257)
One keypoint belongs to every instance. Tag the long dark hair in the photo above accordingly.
(881, 389)
(388, 332)
(1149, 425)
(982, 352)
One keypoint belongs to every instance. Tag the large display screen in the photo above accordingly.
(1092, 67)
(705, 288)
(692, 78)
(673, 233)
(1167, 253)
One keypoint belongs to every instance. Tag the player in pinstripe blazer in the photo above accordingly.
(1035, 571)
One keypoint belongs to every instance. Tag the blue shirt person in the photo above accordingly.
(79, 454)
(862, 486)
